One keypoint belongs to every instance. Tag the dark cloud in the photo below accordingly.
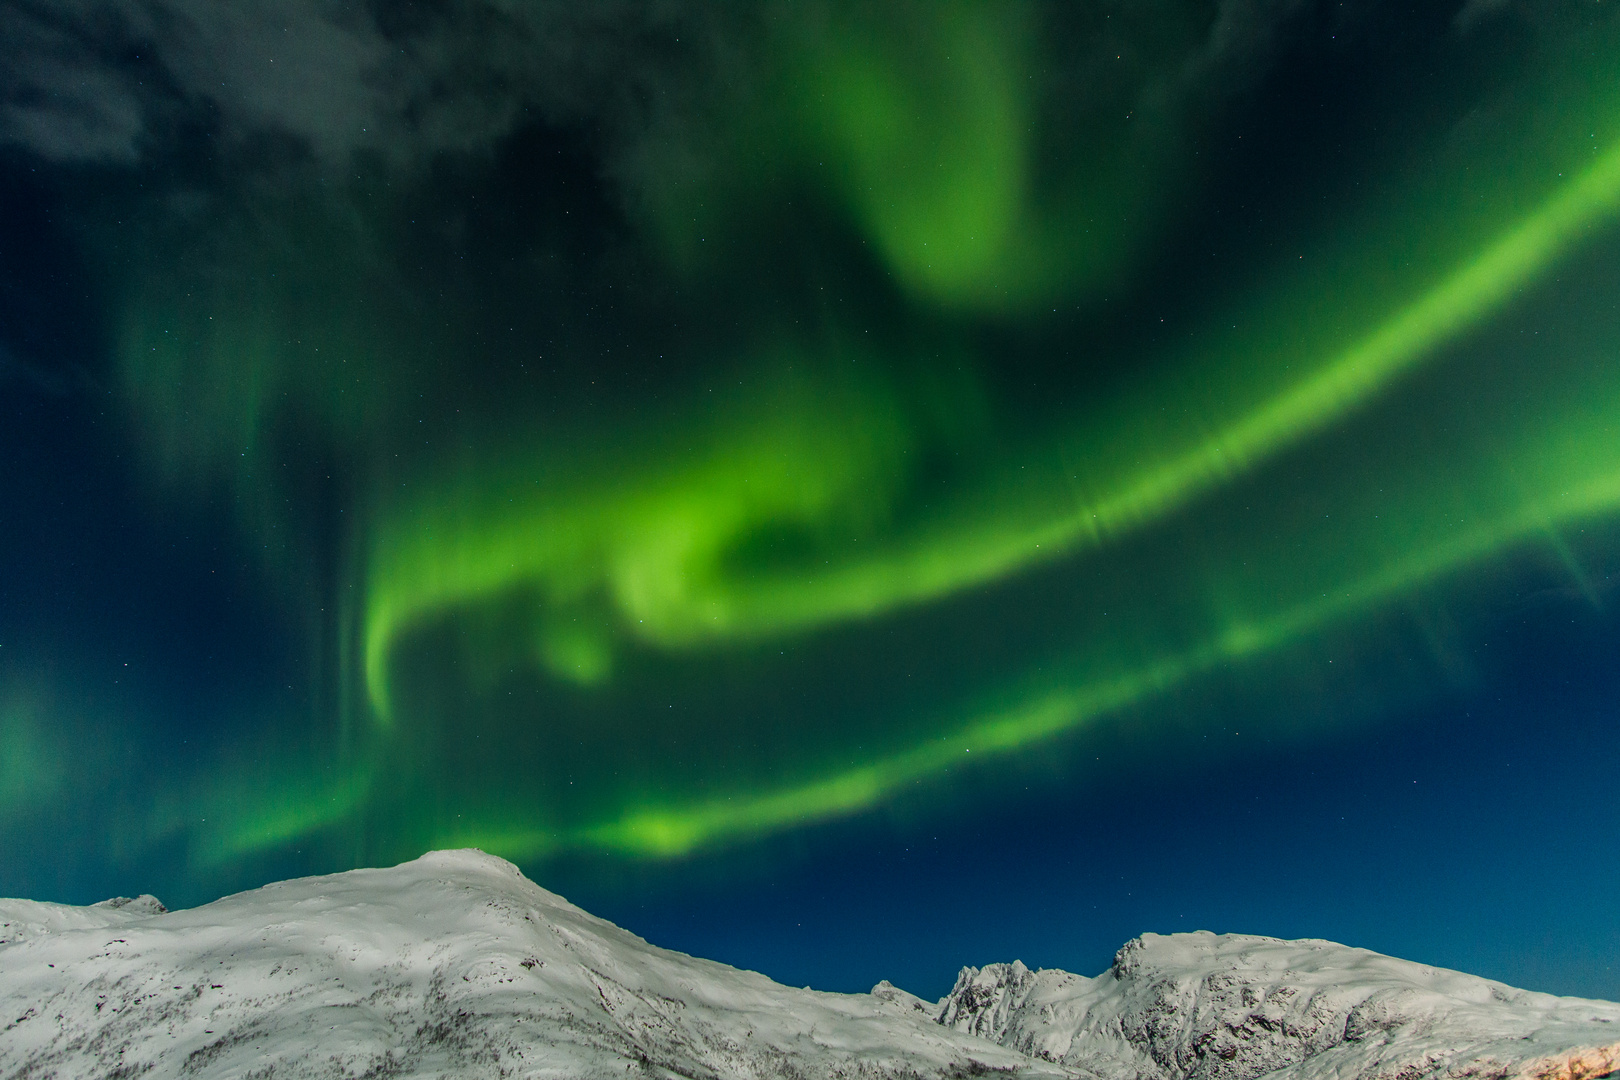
(63, 93)
(100, 80)
(87, 80)
(1243, 36)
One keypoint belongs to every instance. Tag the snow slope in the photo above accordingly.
(24, 919)
(453, 964)
(1232, 1007)
(456, 965)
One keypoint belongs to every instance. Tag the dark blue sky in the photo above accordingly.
(250, 408)
(1474, 832)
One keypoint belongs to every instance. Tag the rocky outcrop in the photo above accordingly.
(1231, 1007)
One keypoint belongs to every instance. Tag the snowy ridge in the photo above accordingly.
(1233, 1007)
(451, 965)
(456, 965)
(24, 919)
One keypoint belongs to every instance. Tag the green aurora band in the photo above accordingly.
(1553, 471)
(777, 500)
(656, 543)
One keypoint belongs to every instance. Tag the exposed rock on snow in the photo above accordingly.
(1231, 1007)
(455, 964)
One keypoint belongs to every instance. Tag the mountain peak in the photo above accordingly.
(1205, 1006)
(456, 964)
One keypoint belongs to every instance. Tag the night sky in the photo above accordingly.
(846, 489)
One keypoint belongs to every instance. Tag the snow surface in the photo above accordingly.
(456, 965)
(451, 965)
(24, 919)
(1233, 1007)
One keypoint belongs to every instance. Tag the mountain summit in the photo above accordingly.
(1208, 1006)
(455, 964)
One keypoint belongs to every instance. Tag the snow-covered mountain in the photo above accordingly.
(451, 965)
(1233, 1007)
(456, 965)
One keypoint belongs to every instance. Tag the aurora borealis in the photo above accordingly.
(681, 448)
